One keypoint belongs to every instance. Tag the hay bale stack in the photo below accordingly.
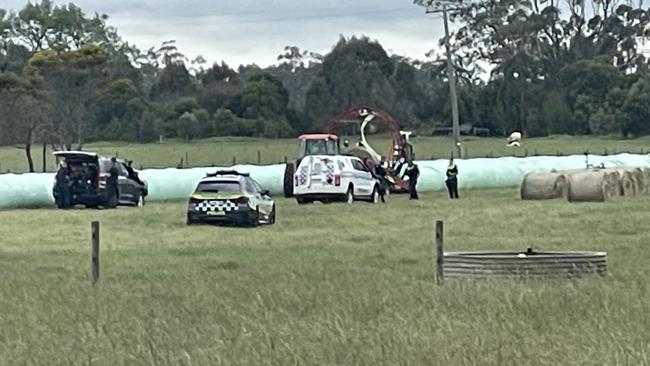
(543, 186)
(612, 182)
(640, 179)
(594, 185)
(631, 182)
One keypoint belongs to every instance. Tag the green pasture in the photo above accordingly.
(327, 285)
(223, 151)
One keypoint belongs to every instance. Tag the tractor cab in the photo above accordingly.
(318, 144)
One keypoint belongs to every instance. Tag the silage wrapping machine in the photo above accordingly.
(327, 143)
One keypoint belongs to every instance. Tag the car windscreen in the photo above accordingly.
(219, 187)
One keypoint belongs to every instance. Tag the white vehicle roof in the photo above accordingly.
(70, 154)
(331, 157)
(223, 178)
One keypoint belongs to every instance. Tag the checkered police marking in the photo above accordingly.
(329, 175)
(206, 206)
(302, 176)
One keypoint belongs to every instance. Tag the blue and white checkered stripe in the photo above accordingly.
(206, 206)
(329, 174)
(302, 175)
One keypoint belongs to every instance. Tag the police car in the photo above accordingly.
(230, 197)
(328, 178)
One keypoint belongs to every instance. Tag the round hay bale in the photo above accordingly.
(543, 186)
(628, 181)
(590, 186)
(639, 180)
(612, 183)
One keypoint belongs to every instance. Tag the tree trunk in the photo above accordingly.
(28, 151)
(44, 157)
(522, 111)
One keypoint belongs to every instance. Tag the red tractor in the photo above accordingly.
(327, 143)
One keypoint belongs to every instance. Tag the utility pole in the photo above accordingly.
(451, 74)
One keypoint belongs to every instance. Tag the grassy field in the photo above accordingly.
(221, 151)
(327, 285)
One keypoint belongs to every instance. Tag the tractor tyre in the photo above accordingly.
(288, 180)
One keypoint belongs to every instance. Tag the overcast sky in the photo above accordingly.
(248, 31)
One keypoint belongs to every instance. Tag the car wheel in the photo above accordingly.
(272, 216)
(141, 201)
(349, 196)
(288, 180)
(255, 220)
(189, 220)
(303, 201)
(375, 198)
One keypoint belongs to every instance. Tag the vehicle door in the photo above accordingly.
(263, 201)
(137, 182)
(363, 181)
(125, 184)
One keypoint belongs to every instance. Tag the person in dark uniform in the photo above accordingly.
(111, 182)
(380, 170)
(452, 179)
(379, 173)
(405, 155)
(413, 172)
(63, 186)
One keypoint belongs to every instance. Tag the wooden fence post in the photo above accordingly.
(259, 157)
(95, 251)
(440, 253)
(234, 160)
(285, 159)
(187, 159)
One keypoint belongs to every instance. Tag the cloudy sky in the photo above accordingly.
(248, 31)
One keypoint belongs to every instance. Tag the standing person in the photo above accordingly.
(378, 172)
(405, 155)
(111, 182)
(63, 186)
(452, 179)
(413, 172)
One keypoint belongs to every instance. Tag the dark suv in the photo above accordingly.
(86, 175)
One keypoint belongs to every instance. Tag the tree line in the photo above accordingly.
(555, 67)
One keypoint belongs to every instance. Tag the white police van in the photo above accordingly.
(329, 178)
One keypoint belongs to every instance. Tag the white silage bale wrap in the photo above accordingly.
(35, 189)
